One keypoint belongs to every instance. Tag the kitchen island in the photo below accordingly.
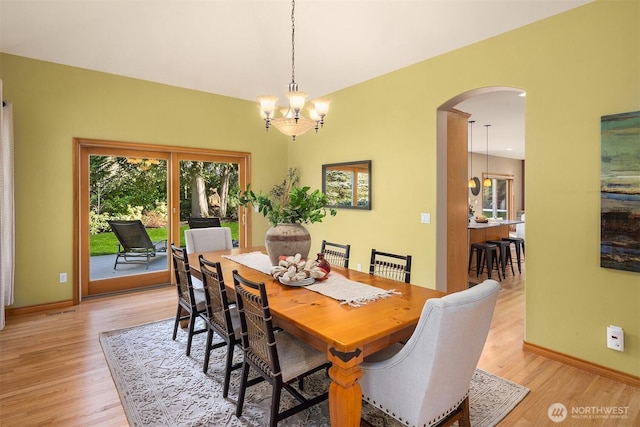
(492, 230)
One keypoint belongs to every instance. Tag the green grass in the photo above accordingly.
(107, 243)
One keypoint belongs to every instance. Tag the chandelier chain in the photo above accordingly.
(293, 41)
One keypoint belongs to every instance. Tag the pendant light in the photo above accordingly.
(292, 122)
(474, 182)
(487, 181)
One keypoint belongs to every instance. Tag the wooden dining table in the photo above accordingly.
(345, 333)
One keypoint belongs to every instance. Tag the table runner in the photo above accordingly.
(336, 286)
(349, 292)
(256, 260)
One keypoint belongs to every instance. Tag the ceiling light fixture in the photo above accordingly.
(292, 122)
(487, 181)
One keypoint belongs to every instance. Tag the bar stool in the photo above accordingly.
(518, 242)
(505, 255)
(485, 254)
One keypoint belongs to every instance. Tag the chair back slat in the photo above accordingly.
(183, 275)
(336, 254)
(216, 298)
(390, 266)
(258, 339)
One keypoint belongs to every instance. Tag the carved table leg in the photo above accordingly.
(345, 394)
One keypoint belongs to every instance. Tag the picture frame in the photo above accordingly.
(347, 185)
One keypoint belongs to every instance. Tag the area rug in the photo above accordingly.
(160, 386)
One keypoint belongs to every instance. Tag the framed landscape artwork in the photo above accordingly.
(620, 192)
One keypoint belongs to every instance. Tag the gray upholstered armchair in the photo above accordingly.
(426, 381)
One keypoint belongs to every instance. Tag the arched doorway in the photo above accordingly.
(452, 190)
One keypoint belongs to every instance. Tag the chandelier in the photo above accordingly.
(292, 122)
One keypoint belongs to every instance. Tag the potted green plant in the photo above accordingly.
(288, 207)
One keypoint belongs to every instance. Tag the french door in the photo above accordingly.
(160, 186)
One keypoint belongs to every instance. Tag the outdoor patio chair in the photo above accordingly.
(204, 222)
(135, 245)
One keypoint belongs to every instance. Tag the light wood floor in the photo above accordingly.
(53, 372)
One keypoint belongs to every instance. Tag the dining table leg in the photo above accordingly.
(345, 394)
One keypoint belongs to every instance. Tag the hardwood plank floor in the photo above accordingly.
(550, 382)
(53, 372)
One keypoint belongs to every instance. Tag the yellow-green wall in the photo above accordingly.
(52, 104)
(575, 67)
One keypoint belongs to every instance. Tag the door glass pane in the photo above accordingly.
(127, 189)
(209, 190)
(495, 201)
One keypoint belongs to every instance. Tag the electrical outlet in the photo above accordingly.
(425, 218)
(359, 267)
(63, 277)
(615, 338)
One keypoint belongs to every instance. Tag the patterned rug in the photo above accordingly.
(160, 386)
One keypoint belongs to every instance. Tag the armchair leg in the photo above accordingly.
(465, 420)
(461, 414)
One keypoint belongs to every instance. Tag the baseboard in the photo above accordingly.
(622, 377)
(10, 312)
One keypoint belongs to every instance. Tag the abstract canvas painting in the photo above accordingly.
(620, 192)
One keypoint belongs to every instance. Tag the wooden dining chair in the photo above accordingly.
(191, 301)
(390, 266)
(278, 357)
(336, 254)
(426, 381)
(220, 317)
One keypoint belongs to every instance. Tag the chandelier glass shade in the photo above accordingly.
(487, 181)
(292, 122)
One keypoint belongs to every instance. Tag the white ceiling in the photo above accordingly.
(504, 112)
(242, 48)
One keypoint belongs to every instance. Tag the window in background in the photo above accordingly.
(497, 200)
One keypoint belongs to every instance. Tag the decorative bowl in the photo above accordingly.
(305, 282)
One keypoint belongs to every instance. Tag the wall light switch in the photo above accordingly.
(615, 338)
(425, 218)
(63, 277)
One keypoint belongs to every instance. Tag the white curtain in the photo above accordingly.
(7, 228)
